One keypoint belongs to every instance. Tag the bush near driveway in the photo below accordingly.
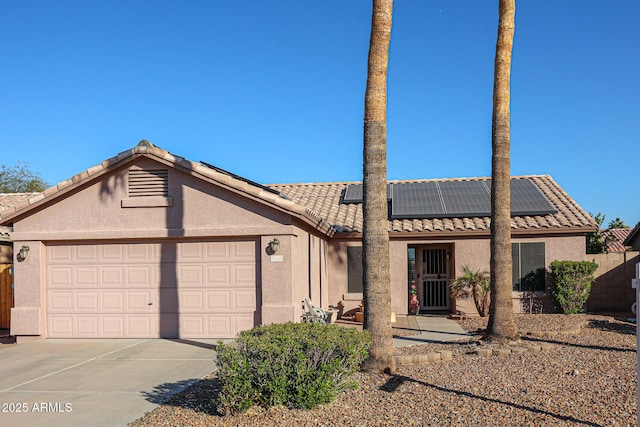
(298, 365)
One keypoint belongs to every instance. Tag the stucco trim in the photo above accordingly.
(543, 232)
(159, 233)
(147, 202)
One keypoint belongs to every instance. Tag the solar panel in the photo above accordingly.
(416, 200)
(455, 199)
(526, 199)
(353, 193)
(465, 198)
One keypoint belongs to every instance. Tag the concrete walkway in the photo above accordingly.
(99, 382)
(433, 329)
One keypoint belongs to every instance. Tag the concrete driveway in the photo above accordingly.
(98, 382)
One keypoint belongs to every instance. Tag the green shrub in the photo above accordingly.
(299, 365)
(572, 282)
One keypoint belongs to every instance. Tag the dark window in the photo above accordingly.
(529, 267)
(354, 269)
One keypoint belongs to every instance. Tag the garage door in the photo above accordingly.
(151, 290)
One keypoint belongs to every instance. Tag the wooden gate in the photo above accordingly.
(6, 295)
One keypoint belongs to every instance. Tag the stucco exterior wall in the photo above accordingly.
(198, 209)
(473, 252)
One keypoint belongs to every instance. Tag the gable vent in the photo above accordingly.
(148, 183)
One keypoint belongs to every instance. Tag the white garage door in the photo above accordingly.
(151, 290)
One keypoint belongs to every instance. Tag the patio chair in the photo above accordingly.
(312, 313)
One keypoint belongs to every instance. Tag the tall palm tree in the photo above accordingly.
(502, 325)
(375, 232)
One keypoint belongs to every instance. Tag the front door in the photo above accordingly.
(433, 277)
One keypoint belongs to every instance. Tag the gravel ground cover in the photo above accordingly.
(588, 378)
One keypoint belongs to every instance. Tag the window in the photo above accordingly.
(354, 269)
(529, 266)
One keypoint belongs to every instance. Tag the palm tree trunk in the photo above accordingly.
(375, 234)
(502, 324)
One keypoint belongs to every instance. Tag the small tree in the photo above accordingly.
(597, 243)
(617, 223)
(476, 284)
(572, 282)
(20, 179)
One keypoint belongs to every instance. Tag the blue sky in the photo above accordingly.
(273, 90)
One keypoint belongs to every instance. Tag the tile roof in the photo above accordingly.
(319, 203)
(619, 236)
(324, 199)
(21, 204)
(7, 201)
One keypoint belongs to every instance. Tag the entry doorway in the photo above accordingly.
(429, 268)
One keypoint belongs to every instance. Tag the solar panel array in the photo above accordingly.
(455, 199)
(353, 193)
(416, 200)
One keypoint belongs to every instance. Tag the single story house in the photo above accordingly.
(149, 244)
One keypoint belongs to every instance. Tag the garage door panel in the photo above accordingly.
(112, 276)
(139, 326)
(112, 326)
(190, 301)
(143, 252)
(138, 301)
(218, 275)
(219, 326)
(169, 326)
(198, 290)
(86, 276)
(60, 253)
(86, 301)
(112, 302)
(192, 326)
(61, 301)
(141, 276)
(61, 326)
(244, 250)
(244, 322)
(86, 326)
(244, 275)
(191, 275)
(61, 277)
(218, 300)
(112, 253)
(190, 252)
(86, 253)
(244, 300)
(218, 251)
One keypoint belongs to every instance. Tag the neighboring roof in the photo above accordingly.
(21, 205)
(325, 200)
(633, 234)
(619, 236)
(8, 200)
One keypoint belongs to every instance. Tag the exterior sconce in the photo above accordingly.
(274, 246)
(24, 252)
